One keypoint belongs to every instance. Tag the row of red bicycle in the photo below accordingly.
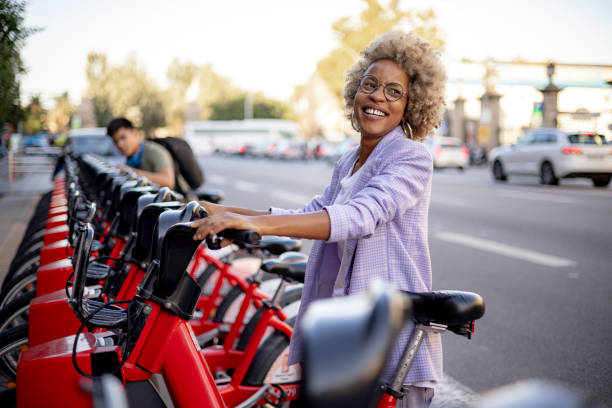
(109, 283)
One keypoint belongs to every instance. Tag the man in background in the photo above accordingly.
(146, 158)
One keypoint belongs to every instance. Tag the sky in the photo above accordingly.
(274, 45)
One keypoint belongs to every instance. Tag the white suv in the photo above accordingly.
(553, 154)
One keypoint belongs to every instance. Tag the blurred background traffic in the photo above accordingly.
(521, 201)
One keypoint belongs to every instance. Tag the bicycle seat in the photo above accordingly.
(449, 307)
(290, 265)
(346, 343)
(278, 245)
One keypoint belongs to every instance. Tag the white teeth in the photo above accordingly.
(374, 112)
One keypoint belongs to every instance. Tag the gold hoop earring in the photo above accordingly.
(408, 132)
(353, 122)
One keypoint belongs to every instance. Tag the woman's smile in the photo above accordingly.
(374, 112)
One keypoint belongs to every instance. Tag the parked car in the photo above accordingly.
(94, 141)
(553, 154)
(39, 140)
(448, 152)
(288, 149)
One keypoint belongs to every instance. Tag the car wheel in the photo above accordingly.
(601, 181)
(498, 171)
(461, 168)
(547, 174)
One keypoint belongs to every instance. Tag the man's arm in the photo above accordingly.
(163, 178)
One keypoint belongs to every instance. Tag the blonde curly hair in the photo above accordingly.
(427, 78)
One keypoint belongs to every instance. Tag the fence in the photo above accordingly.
(34, 165)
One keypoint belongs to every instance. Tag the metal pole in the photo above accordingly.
(407, 358)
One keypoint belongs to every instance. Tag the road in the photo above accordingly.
(540, 256)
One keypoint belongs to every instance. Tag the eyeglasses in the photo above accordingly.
(393, 91)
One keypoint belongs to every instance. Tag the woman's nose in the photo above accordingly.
(378, 94)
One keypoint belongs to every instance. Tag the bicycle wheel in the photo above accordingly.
(23, 256)
(23, 283)
(12, 342)
(269, 365)
(32, 239)
(226, 303)
(33, 262)
(16, 312)
(203, 279)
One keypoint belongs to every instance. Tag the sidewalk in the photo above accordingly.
(16, 208)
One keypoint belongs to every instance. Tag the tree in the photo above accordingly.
(58, 118)
(124, 90)
(34, 117)
(12, 38)
(213, 88)
(263, 108)
(180, 77)
(97, 73)
(354, 36)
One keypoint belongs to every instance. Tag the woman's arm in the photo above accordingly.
(215, 209)
(314, 225)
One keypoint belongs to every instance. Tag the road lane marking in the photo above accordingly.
(217, 179)
(246, 186)
(526, 195)
(291, 197)
(448, 200)
(504, 249)
(452, 393)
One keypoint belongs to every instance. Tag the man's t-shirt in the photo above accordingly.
(155, 158)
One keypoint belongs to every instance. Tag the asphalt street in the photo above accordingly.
(540, 256)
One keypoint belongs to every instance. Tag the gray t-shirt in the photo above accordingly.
(156, 158)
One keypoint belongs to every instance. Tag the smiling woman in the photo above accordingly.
(371, 220)
(425, 75)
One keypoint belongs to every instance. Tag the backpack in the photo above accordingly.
(185, 162)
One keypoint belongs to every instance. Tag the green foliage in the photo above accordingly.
(233, 109)
(213, 89)
(180, 78)
(34, 117)
(58, 118)
(12, 38)
(124, 90)
(354, 36)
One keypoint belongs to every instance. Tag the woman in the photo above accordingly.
(371, 221)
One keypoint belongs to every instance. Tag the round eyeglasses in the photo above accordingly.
(393, 91)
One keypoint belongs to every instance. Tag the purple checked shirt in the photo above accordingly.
(384, 226)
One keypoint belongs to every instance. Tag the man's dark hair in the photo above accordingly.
(116, 124)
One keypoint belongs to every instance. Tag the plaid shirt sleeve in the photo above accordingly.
(396, 187)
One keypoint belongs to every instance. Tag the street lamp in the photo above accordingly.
(550, 71)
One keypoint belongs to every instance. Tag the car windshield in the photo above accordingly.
(95, 144)
(587, 138)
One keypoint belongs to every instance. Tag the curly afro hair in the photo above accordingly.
(425, 71)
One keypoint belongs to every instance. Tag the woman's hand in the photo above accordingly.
(222, 221)
(213, 209)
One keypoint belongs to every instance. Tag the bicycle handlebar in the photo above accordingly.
(242, 236)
